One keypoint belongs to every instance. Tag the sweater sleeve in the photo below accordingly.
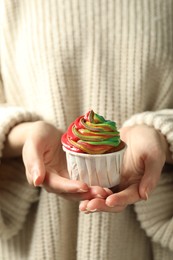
(11, 116)
(16, 195)
(156, 214)
(161, 120)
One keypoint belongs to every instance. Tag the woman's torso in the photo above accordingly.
(62, 58)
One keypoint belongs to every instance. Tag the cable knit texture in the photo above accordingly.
(11, 116)
(157, 222)
(161, 120)
(16, 197)
(60, 58)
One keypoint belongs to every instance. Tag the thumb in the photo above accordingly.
(38, 173)
(150, 178)
(34, 164)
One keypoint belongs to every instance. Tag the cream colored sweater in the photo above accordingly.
(58, 59)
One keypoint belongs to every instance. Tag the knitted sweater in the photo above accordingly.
(60, 58)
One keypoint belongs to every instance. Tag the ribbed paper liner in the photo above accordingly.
(101, 169)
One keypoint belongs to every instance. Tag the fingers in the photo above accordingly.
(55, 183)
(126, 197)
(33, 161)
(97, 205)
(71, 189)
(85, 196)
(151, 177)
(114, 203)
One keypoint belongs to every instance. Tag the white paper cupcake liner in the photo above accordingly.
(95, 170)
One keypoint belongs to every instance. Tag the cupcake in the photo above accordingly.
(94, 150)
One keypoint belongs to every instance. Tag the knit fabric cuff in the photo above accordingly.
(11, 116)
(156, 214)
(16, 195)
(161, 120)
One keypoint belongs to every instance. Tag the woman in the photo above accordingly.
(58, 60)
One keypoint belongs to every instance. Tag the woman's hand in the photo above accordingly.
(143, 161)
(45, 164)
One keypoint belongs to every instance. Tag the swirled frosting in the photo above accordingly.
(92, 134)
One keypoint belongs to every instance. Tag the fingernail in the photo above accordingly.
(91, 210)
(99, 196)
(81, 190)
(146, 196)
(84, 211)
(110, 205)
(35, 177)
(108, 190)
